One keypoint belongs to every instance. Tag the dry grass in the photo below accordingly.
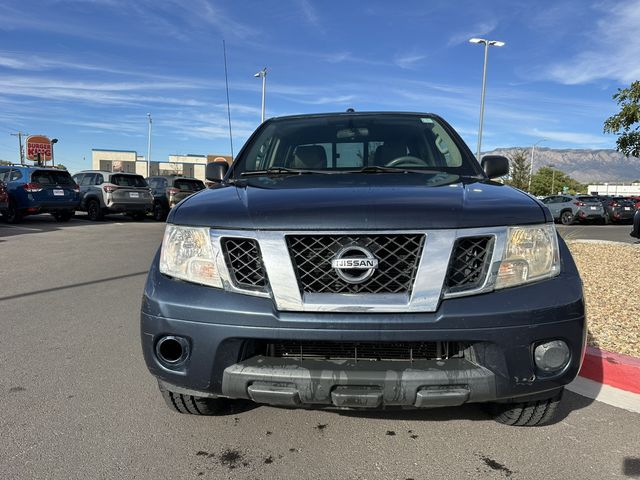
(611, 276)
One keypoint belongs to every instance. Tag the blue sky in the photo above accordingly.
(88, 71)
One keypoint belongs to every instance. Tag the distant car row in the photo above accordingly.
(27, 190)
(567, 209)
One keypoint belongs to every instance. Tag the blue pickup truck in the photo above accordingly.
(33, 190)
(363, 260)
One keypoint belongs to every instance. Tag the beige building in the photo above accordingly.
(129, 161)
(118, 161)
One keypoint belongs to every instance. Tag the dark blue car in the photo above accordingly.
(33, 190)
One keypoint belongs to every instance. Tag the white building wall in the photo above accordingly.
(615, 189)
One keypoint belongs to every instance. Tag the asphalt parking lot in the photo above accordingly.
(77, 401)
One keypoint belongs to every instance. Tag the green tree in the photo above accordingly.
(626, 123)
(5, 162)
(61, 166)
(518, 170)
(550, 181)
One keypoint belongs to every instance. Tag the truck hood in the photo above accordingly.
(359, 202)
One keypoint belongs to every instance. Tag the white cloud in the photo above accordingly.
(611, 50)
(479, 29)
(309, 12)
(408, 60)
(575, 138)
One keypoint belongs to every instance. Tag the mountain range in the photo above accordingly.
(586, 166)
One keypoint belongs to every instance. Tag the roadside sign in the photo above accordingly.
(38, 145)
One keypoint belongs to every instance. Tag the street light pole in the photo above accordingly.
(553, 179)
(487, 44)
(533, 149)
(263, 74)
(149, 146)
(53, 142)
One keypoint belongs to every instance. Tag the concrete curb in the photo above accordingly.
(613, 369)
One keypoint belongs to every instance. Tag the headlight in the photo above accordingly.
(187, 254)
(531, 254)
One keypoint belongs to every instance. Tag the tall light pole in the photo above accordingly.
(262, 74)
(149, 146)
(53, 142)
(487, 44)
(533, 149)
(553, 179)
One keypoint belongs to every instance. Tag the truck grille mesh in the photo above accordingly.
(245, 263)
(398, 257)
(407, 351)
(469, 263)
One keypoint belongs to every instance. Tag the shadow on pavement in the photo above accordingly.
(46, 223)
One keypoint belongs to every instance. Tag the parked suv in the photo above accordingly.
(619, 209)
(567, 209)
(113, 192)
(4, 195)
(168, 190)
(33, 190)
(363, 260)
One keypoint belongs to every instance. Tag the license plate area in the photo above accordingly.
(134, 195)
(58, 192)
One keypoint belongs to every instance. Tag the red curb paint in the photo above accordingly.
(614, 369)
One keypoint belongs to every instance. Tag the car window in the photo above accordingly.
(352, 142)
(50, 177)
(128, 180)
(13, 175)
(99, 179)
(567, 199)
(589, 199)
(78, 178)
(189, 185)
(153, 182)
(87, 179)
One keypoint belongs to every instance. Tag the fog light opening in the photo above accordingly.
(552, 356)
(172, 350)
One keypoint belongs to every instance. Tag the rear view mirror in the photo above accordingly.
(495, 166)
(215, 171)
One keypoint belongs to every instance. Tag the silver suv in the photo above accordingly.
(569, 208)
(113, 192)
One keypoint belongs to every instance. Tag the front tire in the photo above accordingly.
(192, 405)
(13, 214)
(94, 212)
(527, 414)
(159, 212)
(566, 218)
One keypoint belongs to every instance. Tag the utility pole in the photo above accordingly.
(19, 135)
(149, 147)
(533, 149)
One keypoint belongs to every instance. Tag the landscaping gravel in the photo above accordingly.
(610, 273)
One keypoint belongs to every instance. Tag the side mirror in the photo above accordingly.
(215, 171)
(495, 166)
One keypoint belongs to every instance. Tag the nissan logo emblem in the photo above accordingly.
(354, 264)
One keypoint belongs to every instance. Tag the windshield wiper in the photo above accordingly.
(381, 169)
(279, 171)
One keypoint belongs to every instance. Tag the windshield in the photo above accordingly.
(347, 143)
(128, 180)
(48, 177)
(188, 185)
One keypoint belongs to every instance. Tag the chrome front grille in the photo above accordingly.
(398, 258)
(244, 262)
(469, 263)
(402, 351)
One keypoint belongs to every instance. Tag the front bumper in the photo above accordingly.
(501, 328)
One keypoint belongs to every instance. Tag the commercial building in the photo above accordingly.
(615, 189)
(129, 161)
